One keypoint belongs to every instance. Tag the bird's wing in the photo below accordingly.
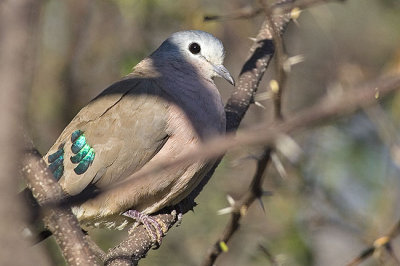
(112, 137)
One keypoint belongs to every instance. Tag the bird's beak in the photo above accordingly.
(221, 71)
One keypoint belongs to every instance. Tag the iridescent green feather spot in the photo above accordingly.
(56, 163)
(81, 154)
(54, 156)
(84, 153)
(78, 144)
(85, 162)
(75, 135)
(58, 172)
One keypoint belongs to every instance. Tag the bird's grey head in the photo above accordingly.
(201, 49)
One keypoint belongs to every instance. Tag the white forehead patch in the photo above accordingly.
(211, 48)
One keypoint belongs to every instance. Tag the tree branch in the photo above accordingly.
(59, 220)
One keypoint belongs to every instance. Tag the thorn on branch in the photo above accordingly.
(224, 211)
(231, 201)
(291, 61)
(261, 204)
(259, 105)
(263, 96)
(278, 165)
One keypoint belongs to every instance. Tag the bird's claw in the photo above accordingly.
(177, 213)
(154, 227)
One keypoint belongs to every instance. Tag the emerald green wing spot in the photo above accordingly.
(78, 144)
(56, 163)
(85, 162)
(84, 154)
(56, 155)
(76, 134)
(81, 154)
(58, 172)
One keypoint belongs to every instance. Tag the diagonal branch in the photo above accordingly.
(381, 242)
(19, 22)
(60, 220)
(277, 84)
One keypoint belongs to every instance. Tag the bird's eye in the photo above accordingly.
(194, 48)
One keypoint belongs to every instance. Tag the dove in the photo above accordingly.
(168, 105)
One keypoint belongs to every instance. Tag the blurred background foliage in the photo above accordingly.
(340, 195)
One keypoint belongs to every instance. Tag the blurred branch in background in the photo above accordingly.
(18, 25)
(280, 7)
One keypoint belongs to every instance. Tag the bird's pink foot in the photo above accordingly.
(153, 227)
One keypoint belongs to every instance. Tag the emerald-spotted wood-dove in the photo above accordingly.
(169, 104)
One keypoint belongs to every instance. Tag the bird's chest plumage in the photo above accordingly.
(192, 120)
(196, 109)
(198, 121)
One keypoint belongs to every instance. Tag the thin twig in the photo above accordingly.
(269, 255)
(276, 86)
(381, 242)
(239, 209)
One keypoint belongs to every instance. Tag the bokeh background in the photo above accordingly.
(333, 201)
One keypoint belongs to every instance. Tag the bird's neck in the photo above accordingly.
(180, 79)
(196, 95)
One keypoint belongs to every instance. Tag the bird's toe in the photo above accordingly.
(154, 227)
